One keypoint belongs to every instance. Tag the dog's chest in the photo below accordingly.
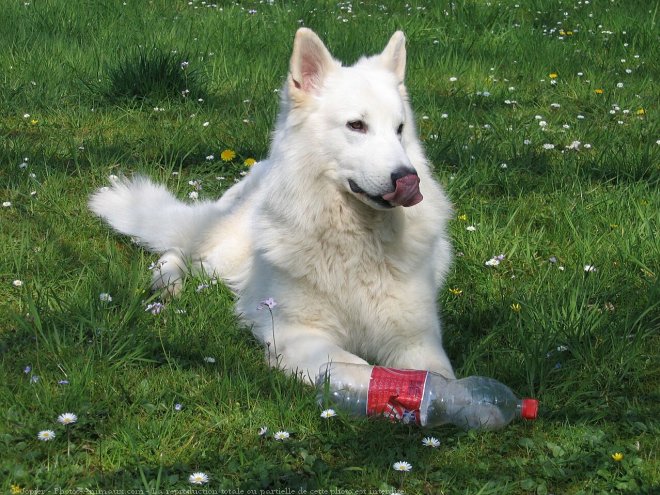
(353, 264)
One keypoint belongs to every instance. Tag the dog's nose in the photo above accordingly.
(406, 188)
(402, 172)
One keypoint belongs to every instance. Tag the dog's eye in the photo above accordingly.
(357, 126)
(399, 130)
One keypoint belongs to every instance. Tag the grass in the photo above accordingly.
(153, 73)
(584, 342)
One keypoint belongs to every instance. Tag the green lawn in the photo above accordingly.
(541, 120)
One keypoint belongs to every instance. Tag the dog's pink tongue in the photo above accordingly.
(406, 192)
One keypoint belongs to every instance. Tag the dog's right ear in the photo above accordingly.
(394, 55)
(310, 64)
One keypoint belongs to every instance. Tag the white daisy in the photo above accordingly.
(263, 430)
(105, 297)
(431, 442)
(198, 478)
(402, 466)
(17, 283)
(46, 435)
(281, 435)
(589, 268)
(67, 418)
(495, 260)
(328, 413)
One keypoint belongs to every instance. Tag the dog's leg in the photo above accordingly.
(167, 274)
(304, 351)
(424, 355)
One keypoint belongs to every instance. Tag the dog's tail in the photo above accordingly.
(151, 214)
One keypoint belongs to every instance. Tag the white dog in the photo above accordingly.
(343, 225)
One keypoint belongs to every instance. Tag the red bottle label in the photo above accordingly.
(396, 394)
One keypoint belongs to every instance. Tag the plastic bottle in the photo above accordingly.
(421, 397)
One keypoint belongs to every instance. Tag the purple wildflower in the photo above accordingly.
(269, 303)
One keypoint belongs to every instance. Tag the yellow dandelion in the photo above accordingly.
(569, 33)
(553, 75)
(34, 122)
(617, 457)
(15, 489)
(249, 162)
(463, 217)
(227, 155)
(515, 307)
(599, 91)
(641, 111)
(456, 291)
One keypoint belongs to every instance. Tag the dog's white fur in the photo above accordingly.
(354, 280)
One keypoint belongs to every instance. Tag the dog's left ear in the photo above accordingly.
(394, 55)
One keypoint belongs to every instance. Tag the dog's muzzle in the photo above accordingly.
(406, 190)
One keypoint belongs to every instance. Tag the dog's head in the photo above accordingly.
(356, 118)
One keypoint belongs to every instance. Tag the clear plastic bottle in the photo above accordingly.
(421, 397)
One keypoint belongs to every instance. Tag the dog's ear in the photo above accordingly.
(394, 55)
(310, 62)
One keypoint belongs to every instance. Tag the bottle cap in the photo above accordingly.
(529, 409)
